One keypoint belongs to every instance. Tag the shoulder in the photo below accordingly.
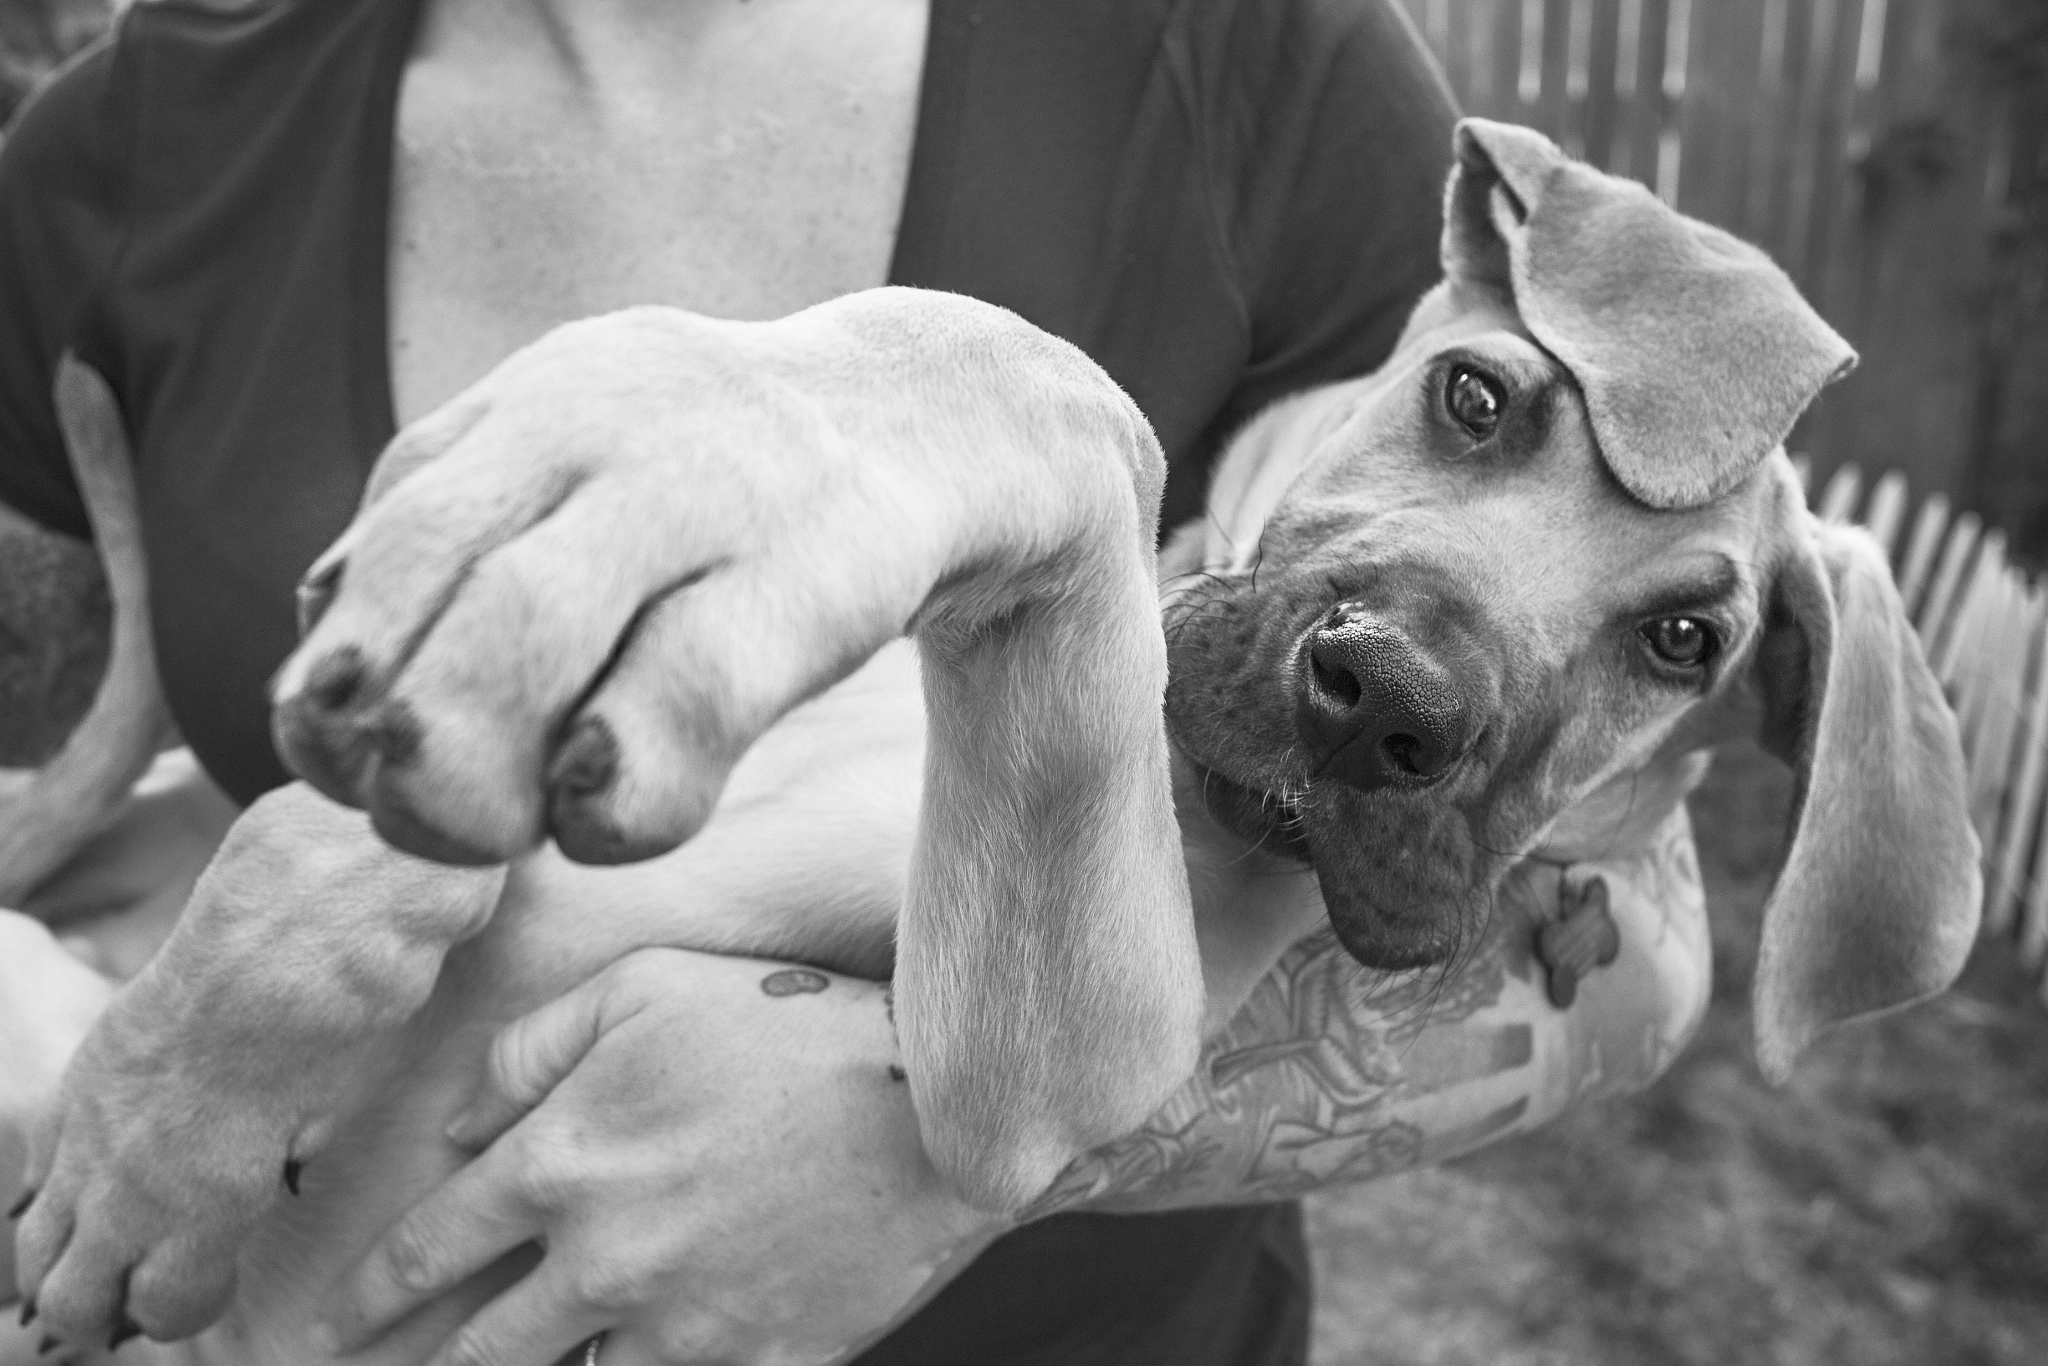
(78, 123)
(1253, 45)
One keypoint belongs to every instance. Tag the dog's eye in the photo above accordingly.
(1475, 400)
(1684, 641)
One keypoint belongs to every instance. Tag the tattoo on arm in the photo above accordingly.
(794, 982)
(56, 627)
(1334, 1072)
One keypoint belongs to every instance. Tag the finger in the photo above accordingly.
(384, 584)
(533, 625)
(704, 672)
(538, 1321)
(529, 1058)
(471, 1220)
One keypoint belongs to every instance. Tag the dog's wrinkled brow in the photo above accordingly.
(1716, 582)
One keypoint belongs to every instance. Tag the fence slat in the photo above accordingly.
(1601, 114)
(1965, 621)
(1948, 577)
(1920, 552)
(2033, 935)
(1887, 511)
(2021, 816)
(1838, 501)
(1644, 124)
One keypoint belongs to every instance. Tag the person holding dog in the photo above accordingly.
(282, 230)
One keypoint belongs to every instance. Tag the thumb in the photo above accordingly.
(530, 1058)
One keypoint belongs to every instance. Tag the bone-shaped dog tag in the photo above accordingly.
(1585, 939)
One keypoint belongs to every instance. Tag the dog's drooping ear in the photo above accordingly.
(1695, 353)
(1878, 902)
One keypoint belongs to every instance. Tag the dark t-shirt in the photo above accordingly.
(1221, 201)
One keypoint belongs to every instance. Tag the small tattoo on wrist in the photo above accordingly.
(794, 982)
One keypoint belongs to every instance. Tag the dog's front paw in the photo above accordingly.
(581, 590)
(145, 1182)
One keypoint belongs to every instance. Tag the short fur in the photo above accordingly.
(1001, 492)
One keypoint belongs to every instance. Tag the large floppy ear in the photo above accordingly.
(1695, 353)
(1878, 903)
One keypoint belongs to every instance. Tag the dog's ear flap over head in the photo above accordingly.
(1694, 352)
(1878, 902)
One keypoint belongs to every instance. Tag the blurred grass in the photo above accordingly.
(1889, 1206)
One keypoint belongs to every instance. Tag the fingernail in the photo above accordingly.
(292, 1168)
(28, 1312)
(21, 1206)
(124, 1331)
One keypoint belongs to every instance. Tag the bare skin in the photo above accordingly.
(743, 160)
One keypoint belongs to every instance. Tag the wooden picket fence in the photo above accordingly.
(1873, 148)
(1984, 625)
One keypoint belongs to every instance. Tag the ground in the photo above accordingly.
(1889, 1206)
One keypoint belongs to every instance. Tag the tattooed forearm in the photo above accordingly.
(55, 632)
(1334, 1072)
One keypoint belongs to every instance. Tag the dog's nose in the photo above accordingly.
(1377, 709)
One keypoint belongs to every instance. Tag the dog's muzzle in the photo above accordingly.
(1377, 708)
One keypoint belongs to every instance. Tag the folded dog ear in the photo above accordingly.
(1048, 989)
(1695, 353)
(1878, 901)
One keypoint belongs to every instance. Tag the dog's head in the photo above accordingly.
(1552, 541)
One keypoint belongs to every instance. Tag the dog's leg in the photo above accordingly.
(217, 1073)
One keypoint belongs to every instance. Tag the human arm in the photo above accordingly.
(1331, 1074)
(1334, 1072)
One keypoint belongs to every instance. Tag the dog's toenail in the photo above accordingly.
(337, 680)
(28, 1312)
(49, 1345)
(588, 761)
(21, 1206)
(124, 1331)
(316, 593)
(292, 1168)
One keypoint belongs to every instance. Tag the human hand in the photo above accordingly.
(720, 1158)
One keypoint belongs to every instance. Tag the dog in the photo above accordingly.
(1497, 596)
